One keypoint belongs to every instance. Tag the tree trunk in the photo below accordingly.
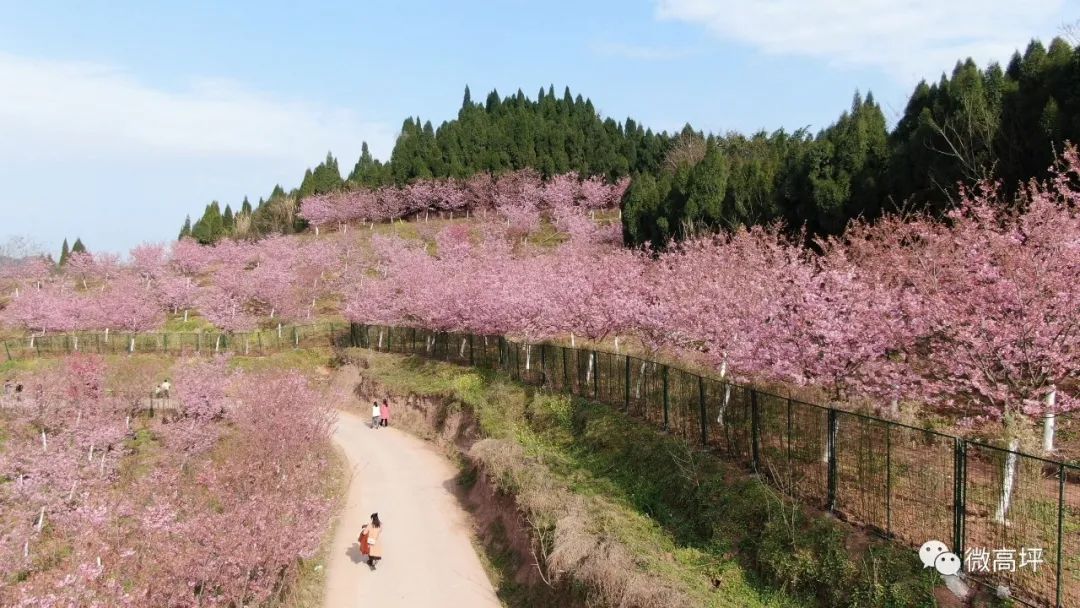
(1048, 421)
(279, 331)
(107, 331)
(131, 345)
(640, 381)
(185, 315)
(76, 343)
(588, 370)
(217, 343)
(528, 356)
(461, 353)
(572, 345)
(380, 338)
(316, 231)
(1008, 482)
(616, 345)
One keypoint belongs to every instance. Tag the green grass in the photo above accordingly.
(305, 360)
(724, 538)
(176, 323)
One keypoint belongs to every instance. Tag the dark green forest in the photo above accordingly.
(972, 124)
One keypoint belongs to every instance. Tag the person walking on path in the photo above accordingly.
(384, 413)
(365, 548)
(374, 545)
(375, 413)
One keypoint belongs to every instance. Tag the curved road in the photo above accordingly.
(428, 557)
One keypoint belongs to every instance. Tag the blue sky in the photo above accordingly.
(119, 118)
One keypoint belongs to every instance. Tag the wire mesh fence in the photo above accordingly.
(1013, 518)
(905, 483)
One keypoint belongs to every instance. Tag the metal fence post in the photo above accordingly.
(595, 374)
(888, 480)
(789, 433)
(543, 365)
(627, 383)
(834, 427)
(566, 373)
(701, 410)
(959, 482)
(755, 430)
(1060, 530)
(667, 401)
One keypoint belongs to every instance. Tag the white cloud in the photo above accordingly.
(84, 107)
(634, 51)
(909, 39)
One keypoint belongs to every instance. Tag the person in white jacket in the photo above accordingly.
(375, 415)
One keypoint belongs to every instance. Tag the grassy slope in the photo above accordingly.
(689, 520)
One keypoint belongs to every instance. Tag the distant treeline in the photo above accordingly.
(975, 124)
(551, 134)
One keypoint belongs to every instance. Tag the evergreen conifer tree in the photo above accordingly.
(64, 253)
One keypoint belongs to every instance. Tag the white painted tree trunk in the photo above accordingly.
(572, 345)
(588, 370)
(107, 332)
(44, 442)
(76, 343)
(31, 340)
(380, 338)
(727, 393)
(131, 345)
(185, 315)
(90, 456)
(463, 342)
(528, 357)
(316, 231)
(1048, 421)
(41, 519)
(217, 343)
(71, 494)
(247, 345)
(279, 331)
(616, 345)
(640, 381)
(1007, 483)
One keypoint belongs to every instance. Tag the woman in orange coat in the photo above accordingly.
(374, 543)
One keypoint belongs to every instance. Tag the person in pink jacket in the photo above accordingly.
(384, 413)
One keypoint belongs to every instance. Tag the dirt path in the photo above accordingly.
(428, 557)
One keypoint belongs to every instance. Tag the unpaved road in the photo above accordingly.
(428, 557)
